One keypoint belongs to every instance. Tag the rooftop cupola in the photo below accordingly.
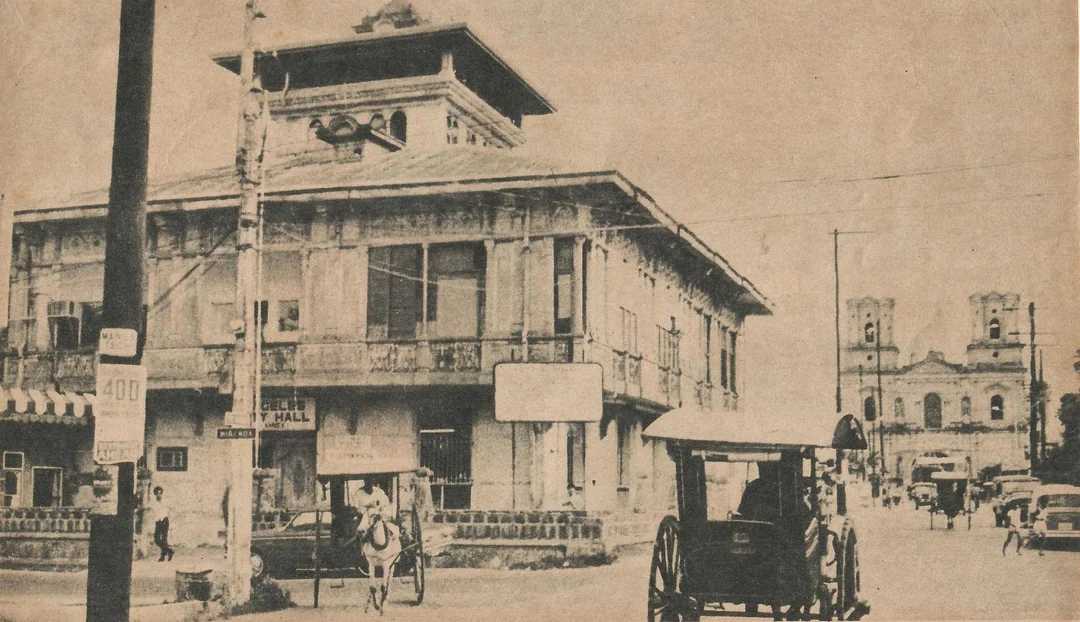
(428, 84)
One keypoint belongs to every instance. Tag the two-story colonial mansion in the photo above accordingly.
(406, 248)
(978, 408)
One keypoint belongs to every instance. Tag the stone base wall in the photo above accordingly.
(44, 538)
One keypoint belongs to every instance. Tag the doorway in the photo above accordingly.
(48, 482)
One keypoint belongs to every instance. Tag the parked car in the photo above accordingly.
(1012, 491)
(922, 493)
(289, 549)
(1061, 505)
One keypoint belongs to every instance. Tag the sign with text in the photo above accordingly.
(235, 433)
(119, 413)
(357, 454)
(549, 392)
(118, 342)
(287, 414)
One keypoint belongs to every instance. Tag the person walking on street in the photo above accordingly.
(1038, 529)
(1013, 518)
(159, 513)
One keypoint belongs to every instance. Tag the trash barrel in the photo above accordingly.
(193, 585)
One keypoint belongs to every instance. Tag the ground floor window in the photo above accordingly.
(172, 459)
(446, 449)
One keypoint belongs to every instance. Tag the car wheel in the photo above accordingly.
(258, 566)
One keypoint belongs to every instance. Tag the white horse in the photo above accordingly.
(380, 542)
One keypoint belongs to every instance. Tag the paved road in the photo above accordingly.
(908, 571)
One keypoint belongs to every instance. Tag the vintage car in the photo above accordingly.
(1060, 505)
(1012, 491)
(290, 549)
(922, 493)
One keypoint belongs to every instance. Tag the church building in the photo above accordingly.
(977, 408)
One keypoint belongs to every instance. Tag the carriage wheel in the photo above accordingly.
(418, 558)
(666, 576)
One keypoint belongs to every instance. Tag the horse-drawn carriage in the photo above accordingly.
(772, 543)
(953, 497)
(336, 542)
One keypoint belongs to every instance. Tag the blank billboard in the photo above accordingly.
(549, 392)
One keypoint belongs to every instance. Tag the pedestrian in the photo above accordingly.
(1037, 535)
(1013, 520)
(159, 513)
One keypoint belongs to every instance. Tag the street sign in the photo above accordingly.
(235, 433)
(118, 342)
(119, 413)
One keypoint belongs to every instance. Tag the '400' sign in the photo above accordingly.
(119, 413)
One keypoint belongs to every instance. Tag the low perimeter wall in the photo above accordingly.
(44, 537)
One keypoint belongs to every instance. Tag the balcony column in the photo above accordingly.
(424, 292)
(578, 321)
(490, 288)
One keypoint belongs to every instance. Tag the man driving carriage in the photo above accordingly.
(372, 505)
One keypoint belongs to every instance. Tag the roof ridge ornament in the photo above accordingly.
(393, 15)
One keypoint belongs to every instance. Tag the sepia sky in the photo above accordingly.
(948, 129)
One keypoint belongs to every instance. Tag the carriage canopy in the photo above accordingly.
(768, 430)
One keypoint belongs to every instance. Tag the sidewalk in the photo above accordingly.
(43, 595)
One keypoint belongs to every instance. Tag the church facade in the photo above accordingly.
(977, 408)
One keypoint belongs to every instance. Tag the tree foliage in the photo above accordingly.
(1063, 463)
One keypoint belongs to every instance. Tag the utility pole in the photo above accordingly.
(1033, 427)
(880, 398)
(108, 580)
(836, 281)
(1042, 411)
(249, 169)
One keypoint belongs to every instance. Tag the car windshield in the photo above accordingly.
(305, 521)
(1060, 501)
(1011, 487)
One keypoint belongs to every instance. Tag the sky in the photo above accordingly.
(946, 129)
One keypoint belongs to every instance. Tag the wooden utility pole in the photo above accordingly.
(108, 580)
(1042, 411)
(249, 169)
(836, 281)
(880, 398)
(1033, 427)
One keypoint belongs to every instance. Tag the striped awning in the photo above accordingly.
(45, 405)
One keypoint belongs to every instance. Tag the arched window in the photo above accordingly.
(997, 408)
(868, 332)
(898, 408)
(995, 329)
(869, 409)
(965, 407)
(932, 411)
(398, 125)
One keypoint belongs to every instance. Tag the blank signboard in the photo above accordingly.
(549, 392)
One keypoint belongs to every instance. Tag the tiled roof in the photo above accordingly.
(329, 169)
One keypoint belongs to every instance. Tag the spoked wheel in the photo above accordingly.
(666, 577)
(418, 558)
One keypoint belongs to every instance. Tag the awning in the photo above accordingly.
(743, 429)
(44, 405)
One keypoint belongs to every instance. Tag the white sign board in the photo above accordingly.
(119, 413)
(118, 342)
(355, 454)
(287, 414)
(549, 392)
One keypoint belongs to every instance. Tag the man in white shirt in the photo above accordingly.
(159, 513)
(371, 502)
(1013, 518)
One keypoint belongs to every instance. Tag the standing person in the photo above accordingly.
(1013, 518)
(159, 513)
(1038, 528)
